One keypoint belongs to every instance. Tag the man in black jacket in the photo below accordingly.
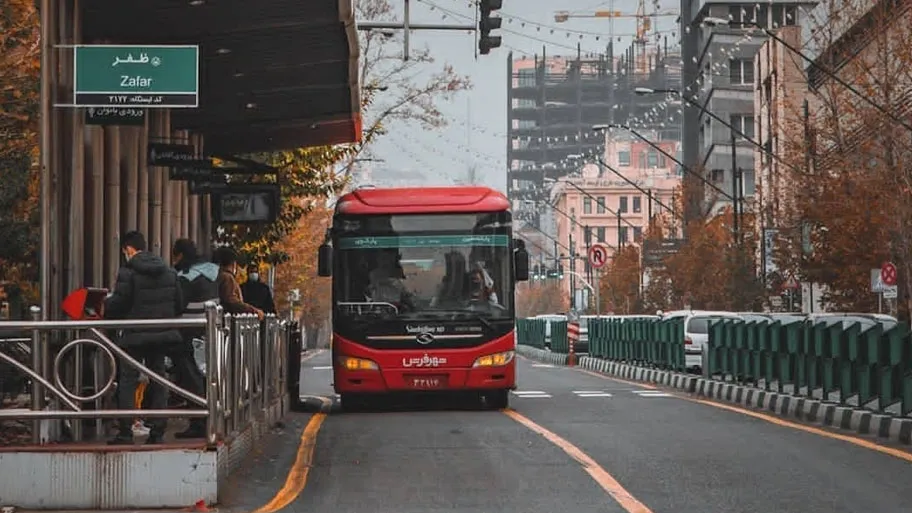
(146, 288)
(256, 292)
(198, 280)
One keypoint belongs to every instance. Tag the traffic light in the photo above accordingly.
(487, 23)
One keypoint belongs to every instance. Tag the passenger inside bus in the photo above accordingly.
(386, 284)
(459, 285)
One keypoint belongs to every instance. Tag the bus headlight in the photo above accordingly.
(494, 360)
(354, 364)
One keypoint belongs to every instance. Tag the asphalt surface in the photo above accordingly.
(671, 454)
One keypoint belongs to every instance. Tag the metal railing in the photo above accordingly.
(245, 372)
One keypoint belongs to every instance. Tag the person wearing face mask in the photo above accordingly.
(199, 284)
(230, 295)
(256, 292)
(146, 288)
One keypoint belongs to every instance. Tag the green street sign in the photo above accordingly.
(151, 76)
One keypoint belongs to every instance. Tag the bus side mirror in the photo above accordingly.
(324, 260)
(521, 264)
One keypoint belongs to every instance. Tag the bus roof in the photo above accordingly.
(417, 200)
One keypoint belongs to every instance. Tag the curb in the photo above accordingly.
(862, 422)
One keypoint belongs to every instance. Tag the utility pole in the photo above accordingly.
(486, 24)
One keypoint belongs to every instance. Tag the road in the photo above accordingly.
(574, 442)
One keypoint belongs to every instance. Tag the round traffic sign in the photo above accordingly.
(598, 256)
(888, 274)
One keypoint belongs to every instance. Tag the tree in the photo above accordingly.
(401, 91)
(19, 94)
(853, 168)
(619, 285)
(541, 297)
(300, 271)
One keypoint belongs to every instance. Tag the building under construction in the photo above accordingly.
(554, 101)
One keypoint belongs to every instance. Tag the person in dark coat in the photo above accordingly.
(146, 288)
(230, 295)
(198, 280)
(256, 292)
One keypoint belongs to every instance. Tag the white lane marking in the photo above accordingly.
(588, 391)
(322, 367)
(531, 394)
(543, 365)
(596, 394)
(651, 393)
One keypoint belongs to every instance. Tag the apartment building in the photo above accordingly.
(615, 211)
(719, 72)
(779, 101)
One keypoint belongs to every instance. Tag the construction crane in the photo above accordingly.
(644, 20)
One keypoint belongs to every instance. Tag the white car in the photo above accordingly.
(696, 334)
(550, 318)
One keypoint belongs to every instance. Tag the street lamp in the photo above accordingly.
(710, 21)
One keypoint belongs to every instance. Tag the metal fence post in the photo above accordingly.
(37, 366)
(213, 371)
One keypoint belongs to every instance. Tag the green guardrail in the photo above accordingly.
(816, 360)
(531, 332)
(636, 341)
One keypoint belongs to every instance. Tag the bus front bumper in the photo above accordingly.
(385, 380)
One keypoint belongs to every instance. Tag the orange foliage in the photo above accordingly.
(20, 65)
(853, 169)
(708, 271)
(541, 297)
(19, 88)
(619, 284)
(300, 271)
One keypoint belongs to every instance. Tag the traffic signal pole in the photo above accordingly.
(486, 24)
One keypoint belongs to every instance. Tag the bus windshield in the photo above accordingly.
(414, 266)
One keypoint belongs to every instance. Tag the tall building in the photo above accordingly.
(553, 103)
(719, 74)
(779, 100)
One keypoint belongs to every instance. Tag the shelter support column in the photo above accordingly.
(193, 200)
(167, 201)
(179, 193)
(129, 138)
(76, 244)
(158, 121)
(112, 214)
(142, 151)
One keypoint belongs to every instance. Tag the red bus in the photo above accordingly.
(423, 282)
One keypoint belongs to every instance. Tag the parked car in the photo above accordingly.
(550, 318)
(696, 335)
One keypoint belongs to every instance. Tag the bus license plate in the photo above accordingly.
(426, 382)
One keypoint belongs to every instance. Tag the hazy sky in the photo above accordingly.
(477, 118)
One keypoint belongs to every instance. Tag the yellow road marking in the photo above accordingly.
(297, 475)
(599, 474)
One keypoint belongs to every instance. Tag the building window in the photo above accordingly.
(718, 175)
(600, 205)
(622, 205)
(741, 71)
(587, 205)
(526, 77)
(637, 204)
(652, 158)
(736, 13)
(637, 234)
(744, 124)
(600, 234)
(624, 158)
(642, 160)
(622, 235)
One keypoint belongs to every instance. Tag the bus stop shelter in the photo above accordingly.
(274, 75)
